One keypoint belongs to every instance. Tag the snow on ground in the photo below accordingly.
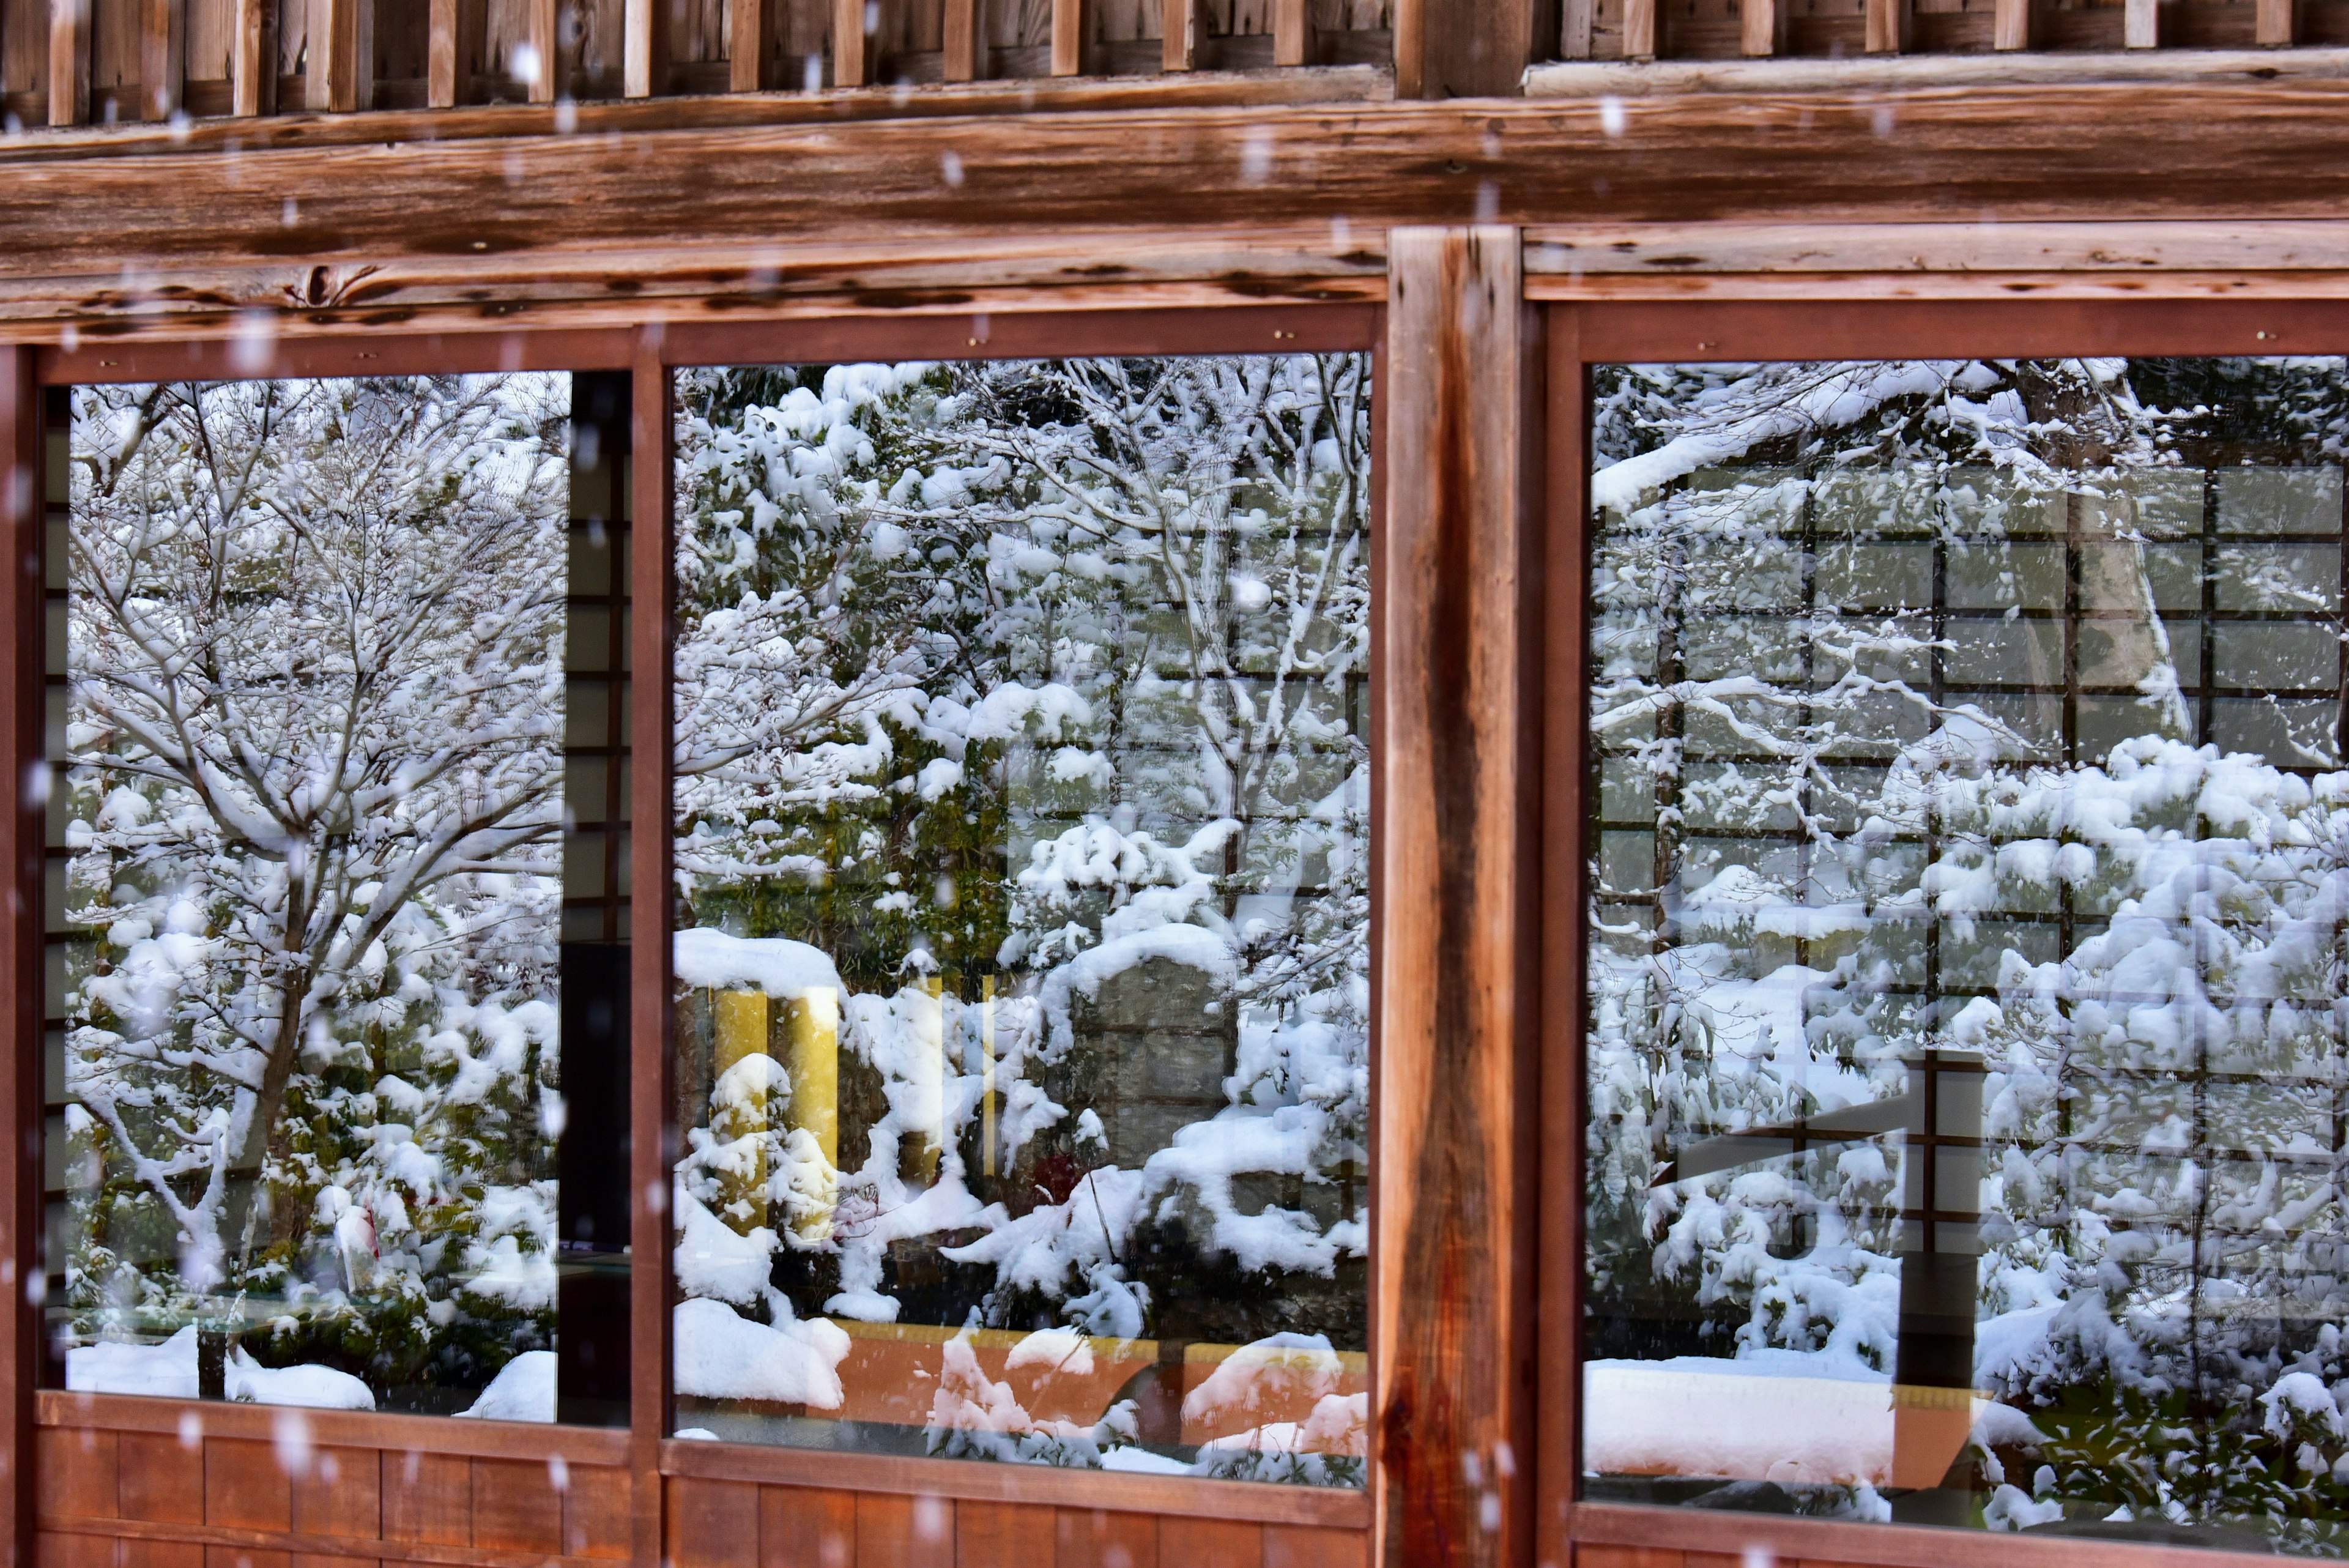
(523, 1390)
(721, 1354)
(169, 1371)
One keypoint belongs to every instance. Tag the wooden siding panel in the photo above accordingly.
(596, 1513)
(1211, 1543)
(516, 1507)
(1112, 1540)
(76, 1473)
(246, 1486)
(245, 1557)
(163, 1554)
(161, 1478)
(1003, 1536)
(61, 1551)
(427, 1498)
(895, 1531)
(1287, 1546)
(341, 1494)
(806, 1527)
(713, 1523)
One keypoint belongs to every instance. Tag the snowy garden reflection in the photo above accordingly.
(1966, 985)
(1022, 996)
(305, 905)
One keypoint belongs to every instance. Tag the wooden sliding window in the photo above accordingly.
(1948, 841)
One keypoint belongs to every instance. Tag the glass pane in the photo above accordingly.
(312, 868)
(1967, 957)
(1023, 911)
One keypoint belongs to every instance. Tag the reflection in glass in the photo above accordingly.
(1967, 964)
(1021, 953)
(305, 891)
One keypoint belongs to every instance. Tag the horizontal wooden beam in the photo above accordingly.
(356, 1428)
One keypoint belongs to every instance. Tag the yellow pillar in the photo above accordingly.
(741, 1018)
(812, 1023)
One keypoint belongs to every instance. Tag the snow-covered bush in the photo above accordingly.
(1025, 701)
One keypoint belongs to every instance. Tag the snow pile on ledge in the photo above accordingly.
(523, 1390)
(782, 969)
(1781, 1417)
(721, 1354)
(169, 1371)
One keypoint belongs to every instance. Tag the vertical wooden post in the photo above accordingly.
(1467, 49)
(1574, 29)
(750, 46)
(253, 66)
(545, 37)
(441, 55)
(1760, 23)
(2141, 25)
(1072, 28)
(163, 56)
(964, 36)
(1292, 32)
(851, 57)
(1639, 29)
(68, 61)
(1181, 26)
(340, 77)
(24, 799)
(1457, 844)
(651, 441)
(1564, 731)
(2277, 24)
(2010, 24)
(1888, 27)
(644, 48)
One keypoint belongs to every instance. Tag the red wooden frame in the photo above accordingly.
(1581, 336)
(1304, 1518)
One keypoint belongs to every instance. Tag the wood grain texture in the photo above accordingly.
(750, 45)
(850, 43)
(162, 58)
(21, 703)
(1565, 658)
(246, 1486)
(1209, 1544)
(1073, 36)
(1091, 1535)
(252, 69)
(1466, 48)
(440, 55)
(355, 1428)
(2010, 25)
(644, 48)
(1181, 24)
(160, 1478)
(712, 1523)
(1761, 25)
(652, 438)
(1292, 32)
(544, 80)
(2277, 24)
(963, 43)
(2141, 24)
(1623, 1535)
(895, 1531)
(596, 1513)
(516, 1507)
(1286, 1546)
(69, 35)
(1888, 25)
(806, 1527)
(1454, 1075)
(428, 1498)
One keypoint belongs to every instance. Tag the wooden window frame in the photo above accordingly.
(690, 1502)
(1579, 336)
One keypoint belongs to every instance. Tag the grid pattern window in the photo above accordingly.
(309, 698)
(1970, 857)
(1021, 947)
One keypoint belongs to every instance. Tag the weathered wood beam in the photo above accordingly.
(1574, 29)
(1640, 28)
(162, 58)
(543, 38)
(23, 794)
(1184, 23)
(852, 63)
(1762, 27)
(68, 61)
(253, 62)
(2010, 24)
(1467, 49)
(440, 55)
(2277, 24)
(2141, 25)
(1073, 32)
(1292, 32)
(340, 74)
(1888, 27)
(964, 38)
(644, 48)
(1457, 840)
(651, 488)
(751, 46)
